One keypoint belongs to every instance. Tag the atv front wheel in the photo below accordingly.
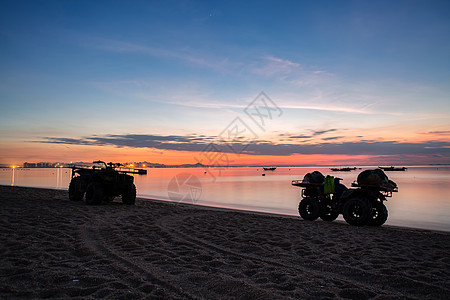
(309, 208)
(76, 192)
(357, 211)
(379, 214)
(94, 193)
(129, 195)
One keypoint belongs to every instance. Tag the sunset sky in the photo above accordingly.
(225, 82)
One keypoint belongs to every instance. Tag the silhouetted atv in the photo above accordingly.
(102, 183)
(361, 205)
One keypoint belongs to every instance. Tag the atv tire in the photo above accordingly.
(327, 213)
(94, 194)
(76, 192)
(357, 211)
(379, 214)
(309, 208)
(129, 195)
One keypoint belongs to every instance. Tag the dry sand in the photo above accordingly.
(54, 248)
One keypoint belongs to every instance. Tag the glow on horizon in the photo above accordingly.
(60, 153)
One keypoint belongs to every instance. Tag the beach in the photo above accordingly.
(53, 248)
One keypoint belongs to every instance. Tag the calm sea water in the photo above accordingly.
(423, 200)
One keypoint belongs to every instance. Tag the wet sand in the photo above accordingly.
(51, 247)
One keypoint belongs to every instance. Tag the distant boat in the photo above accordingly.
(392, 168)
(346, 169)
(269, 168)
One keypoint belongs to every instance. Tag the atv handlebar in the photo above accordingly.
(100, 162)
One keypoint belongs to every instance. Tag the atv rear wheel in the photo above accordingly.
(379, 214)
(327, 213)
(309, 208)
(76, 192)
(129, 195)
(357, 211)
(94, 193)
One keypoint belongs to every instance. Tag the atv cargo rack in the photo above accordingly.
(132, 171)
(309, 187)
(112, 166)
(305, 184)
(386, 191)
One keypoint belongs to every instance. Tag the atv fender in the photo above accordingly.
(352, 193)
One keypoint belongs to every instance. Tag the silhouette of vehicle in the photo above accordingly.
(360, 205)
(103, 182)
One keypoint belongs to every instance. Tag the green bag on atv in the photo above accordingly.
(328, 185)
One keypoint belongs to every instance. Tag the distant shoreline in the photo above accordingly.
(257, 166)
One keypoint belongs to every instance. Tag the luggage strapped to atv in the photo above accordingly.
(361, 205)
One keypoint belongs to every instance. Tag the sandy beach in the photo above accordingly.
(54, 248)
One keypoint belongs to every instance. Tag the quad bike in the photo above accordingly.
(103, 182)
(361, 205)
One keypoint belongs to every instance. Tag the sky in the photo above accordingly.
(225, 82)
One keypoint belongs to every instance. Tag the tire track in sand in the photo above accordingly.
(135, 273)
(347, 276)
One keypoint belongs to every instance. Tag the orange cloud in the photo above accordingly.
(17, 153)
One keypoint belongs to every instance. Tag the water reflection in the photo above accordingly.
(61, 177)
(423, 200)
(13, 176)
(58, 178)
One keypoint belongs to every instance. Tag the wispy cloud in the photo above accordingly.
(312, 134)
(437, 133)
(194, 57)
(162, 142)
(330, 108)
(307, 87)
(270, 66)
(194, 99)
(332, 138)
(265, 66)
(301, 136)
(320, 132)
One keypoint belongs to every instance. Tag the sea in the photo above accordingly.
(422, 200)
